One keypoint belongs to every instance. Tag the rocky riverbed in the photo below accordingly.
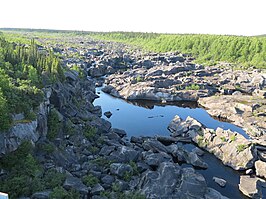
(148, 167)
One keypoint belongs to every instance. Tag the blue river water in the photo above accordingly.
(143, 118)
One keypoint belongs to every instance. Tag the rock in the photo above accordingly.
(119, 132)
(154, 159)
(18, 133)
(193, 159)
(232, 148)
(108, 179)
(108, 114)
(251, 186)
(75, 184)
(178, 183)
(41, 195)
(154, 145)
(249, 171)
(198, 151)
(120, 169)
(213, 194)
(260, 167)
(166, 140)
(124, 154)
(97, 189)
(219, 181)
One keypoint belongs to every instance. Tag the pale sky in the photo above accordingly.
(238, 17)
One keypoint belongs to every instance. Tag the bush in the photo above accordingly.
(60, 193)
(193, 87)
(53, 124)
(90, 132)
(241, 147)
(90, 180)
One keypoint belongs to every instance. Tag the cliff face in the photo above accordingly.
(26, 130)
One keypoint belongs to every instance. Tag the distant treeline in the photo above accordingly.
(209, 49)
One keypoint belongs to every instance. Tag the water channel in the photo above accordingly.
(145, 118)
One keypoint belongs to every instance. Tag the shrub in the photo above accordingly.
(53, 124)
(90, 132)
(233, 138)
(241, 147)
(192, 87)
(60, 193)
(90, 180)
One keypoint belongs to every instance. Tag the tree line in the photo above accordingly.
(208, 49)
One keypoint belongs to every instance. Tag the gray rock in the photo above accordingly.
(154, 145)
(193, 159)
(213, 194)
(124, 154)
(177, 182)
(120, 169)
(119, 132)
(108, 114)
(251, 186)
(219, 181)
(108, 179)
(198, 151)
(41, 195)
(154, 159)
(97, 189)
(75, 184)
(260, 167)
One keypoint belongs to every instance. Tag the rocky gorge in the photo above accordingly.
(145, 167)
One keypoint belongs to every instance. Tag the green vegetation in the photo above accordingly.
(223, 139)
(208, 49)
(24, 69)
(192, 87)
(26, 176)
(53, 124)
(241, 147)
(90, 132)
(233, 138)
(139, 79)
(60, 193)
(90, 180)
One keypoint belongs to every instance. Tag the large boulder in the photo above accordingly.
(232, 148)
(177, 182)
(73, 183)
(260, 167)
(251, 186)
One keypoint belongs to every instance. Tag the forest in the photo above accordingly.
(244, 52)
(24, 70)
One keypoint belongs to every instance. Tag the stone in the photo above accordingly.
(119, 132)
(177, 182)
(108, 179)
(193, 159)
(221, 182)
(251, 186)
(41, 195)
(97, 189)
(213, 194)
(154, 159)
(198, 151)
(249, 171)
(120, 169)
(154, 145)
(108, 114)
(75, 184)
(260, 168)
(124, 154)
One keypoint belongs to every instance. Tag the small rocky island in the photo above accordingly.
(97, 161)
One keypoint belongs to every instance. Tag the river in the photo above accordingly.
(145, 118)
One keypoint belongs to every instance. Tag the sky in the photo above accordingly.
(231, 17)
